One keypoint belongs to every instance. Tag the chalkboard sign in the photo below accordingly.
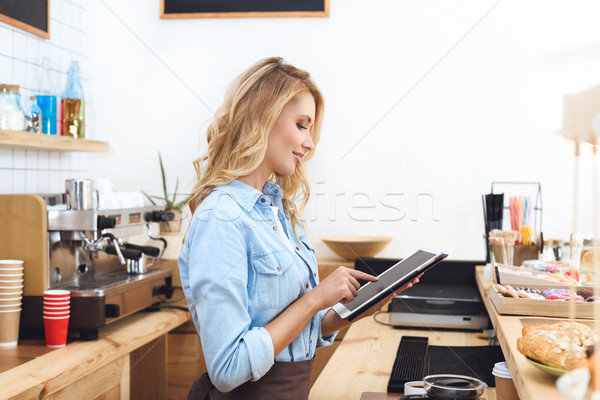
(32, 16)
(243, 8)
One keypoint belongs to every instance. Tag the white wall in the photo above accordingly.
(21, 55)
(427, 97)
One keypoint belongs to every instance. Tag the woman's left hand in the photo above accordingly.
(383, 302)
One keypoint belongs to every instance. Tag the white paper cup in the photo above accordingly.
(6, 276)
(9, 327)
(414, 387)
(11, 263)
(505, 386)
(17, 293)
(16, 298)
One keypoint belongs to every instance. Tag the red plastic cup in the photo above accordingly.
(56, 313)
(56, 294)
(57, 308)
(56, 331)
(56, 302)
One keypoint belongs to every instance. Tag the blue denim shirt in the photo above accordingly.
(238, 274)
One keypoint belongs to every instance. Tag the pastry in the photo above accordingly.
(524, 294)
(585, 292)
(549, 292)
(561, 345)
(511, 291)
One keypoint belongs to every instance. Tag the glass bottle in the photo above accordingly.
(12, 116)
(34, 117)
(47, 100)
(590, 259)
(72, 105)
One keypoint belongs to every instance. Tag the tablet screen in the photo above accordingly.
(389, 278)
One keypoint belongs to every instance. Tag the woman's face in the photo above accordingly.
(290, 138)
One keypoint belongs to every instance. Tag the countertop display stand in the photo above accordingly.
(537, 208)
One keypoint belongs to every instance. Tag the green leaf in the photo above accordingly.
(164, 179)
(180, 204)
(175, 193)
(148, 197)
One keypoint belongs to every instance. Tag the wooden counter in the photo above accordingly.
(110, 367)
(363, 361)
(531, 383)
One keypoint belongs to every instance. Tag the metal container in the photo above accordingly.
(80, 194)
(137, 266)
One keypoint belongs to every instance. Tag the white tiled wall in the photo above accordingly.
(21, 55)
(39, 171)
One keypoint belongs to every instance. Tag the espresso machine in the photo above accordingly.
(67, 243)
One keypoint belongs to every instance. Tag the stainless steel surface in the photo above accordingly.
(471, 322)
(114, 282)
(130, 221)
(80, 194)
(137, 266)
(82, 258)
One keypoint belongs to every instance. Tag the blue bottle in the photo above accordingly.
(47, 101)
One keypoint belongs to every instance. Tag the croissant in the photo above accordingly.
(561, 345)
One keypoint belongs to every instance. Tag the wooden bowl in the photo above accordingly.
(351, 247)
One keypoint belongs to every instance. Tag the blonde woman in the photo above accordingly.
(248, 269)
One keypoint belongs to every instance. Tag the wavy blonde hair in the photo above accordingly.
(237, 137)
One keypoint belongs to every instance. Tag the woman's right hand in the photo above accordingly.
(340, 287)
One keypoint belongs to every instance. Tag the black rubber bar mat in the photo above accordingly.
(415, 360)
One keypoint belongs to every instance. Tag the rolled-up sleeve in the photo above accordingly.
(323, 341)
(234, 351)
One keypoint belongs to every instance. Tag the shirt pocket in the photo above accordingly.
(304, 240)
(276, 282)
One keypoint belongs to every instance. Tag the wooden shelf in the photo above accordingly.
(30, 140)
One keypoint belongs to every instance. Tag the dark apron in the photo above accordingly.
(284, 381)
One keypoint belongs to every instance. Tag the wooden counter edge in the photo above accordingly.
(529, 382)
(78, 359)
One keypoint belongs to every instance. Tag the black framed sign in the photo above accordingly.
(32, 16)
(243, 8)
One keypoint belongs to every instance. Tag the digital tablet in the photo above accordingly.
(389, 281)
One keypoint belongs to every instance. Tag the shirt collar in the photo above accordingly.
(246, 196)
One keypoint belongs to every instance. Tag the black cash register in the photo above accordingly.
(446, 297)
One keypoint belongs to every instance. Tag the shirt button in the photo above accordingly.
(297, 248)
(262, 200)
(274, 228)
(315, 274)
(307, 285)
(306, 354)
(278, 269)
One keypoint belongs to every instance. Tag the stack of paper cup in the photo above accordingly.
(505, 387)
(11, 296)
(57, 309)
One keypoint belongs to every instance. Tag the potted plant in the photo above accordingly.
(169, 203)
